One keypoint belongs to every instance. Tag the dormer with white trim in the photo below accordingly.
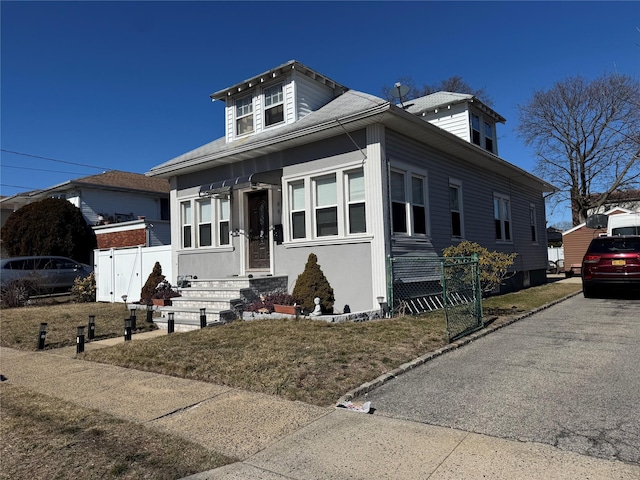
(461, 114)
(273, 99)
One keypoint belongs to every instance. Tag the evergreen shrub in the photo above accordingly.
(312, 283)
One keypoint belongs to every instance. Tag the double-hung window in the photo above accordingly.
(224, 219)
(533, 223)
(475, 129)
(398, 203)
(408, 203)
(244, 115)
(204, 223)
(502, 217)
(418, 209)
(297, 209)
(273, 105)
(488, 137)
(326, 203)
(455, 207)
(356, 202)
(185, 219)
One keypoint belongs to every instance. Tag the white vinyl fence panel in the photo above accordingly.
(124, 271)
(555, 253)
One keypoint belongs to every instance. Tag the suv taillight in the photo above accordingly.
(591, 259)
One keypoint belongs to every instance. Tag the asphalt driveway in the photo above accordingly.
(568, 376)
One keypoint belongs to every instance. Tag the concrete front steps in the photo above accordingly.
(223, 299)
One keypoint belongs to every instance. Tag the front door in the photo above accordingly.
(259, 230)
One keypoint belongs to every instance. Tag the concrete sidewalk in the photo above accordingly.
(276, 439)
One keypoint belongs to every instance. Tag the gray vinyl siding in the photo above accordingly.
(478, 187)
(108, 202)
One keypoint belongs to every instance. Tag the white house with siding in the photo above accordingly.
(307, 165)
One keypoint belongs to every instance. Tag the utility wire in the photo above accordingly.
(16, 186)
(40, 169)
(54, 160)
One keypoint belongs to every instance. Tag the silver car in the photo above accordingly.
(47, 272)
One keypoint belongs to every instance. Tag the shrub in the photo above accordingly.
(17, 292)
(164, 291)
(312, 283)
(49, 227)
(154, 279)
(84, 289)
(493, 266)
(268, 301)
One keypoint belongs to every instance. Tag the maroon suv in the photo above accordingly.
(611, 261)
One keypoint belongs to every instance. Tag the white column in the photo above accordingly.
(376, 195)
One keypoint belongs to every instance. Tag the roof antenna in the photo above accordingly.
(399, 91)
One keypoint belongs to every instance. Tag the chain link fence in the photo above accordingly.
(424, 284)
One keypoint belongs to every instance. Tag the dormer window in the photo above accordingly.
(273, 105)
(475, 129)
(488, 136)
(244, 115)
(483, 132)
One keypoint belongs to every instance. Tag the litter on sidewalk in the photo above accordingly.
(363, 408)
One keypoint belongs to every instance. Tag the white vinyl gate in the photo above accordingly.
(124, 271)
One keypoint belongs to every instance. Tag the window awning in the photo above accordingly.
(224, 187)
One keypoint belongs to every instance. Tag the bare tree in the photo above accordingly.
(451, 84)
(586, 137)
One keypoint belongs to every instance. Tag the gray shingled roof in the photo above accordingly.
(435, 100)
(349, 103)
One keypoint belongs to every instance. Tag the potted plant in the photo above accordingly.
(163, 294)
(279, 302)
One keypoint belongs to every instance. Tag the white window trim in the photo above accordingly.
(195, 225)
(410, 173)
(237, 117)
(199, 221)
(311, 238)
(502, 197)
(265, 107)
(183, 224)
(453, 182)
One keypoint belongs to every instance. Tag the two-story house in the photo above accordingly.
(307, 165)
(124, 208)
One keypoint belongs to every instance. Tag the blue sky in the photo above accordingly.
(125, 85)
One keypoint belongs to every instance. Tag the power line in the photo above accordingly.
(54, 160)
(40, 169)
(16, 186)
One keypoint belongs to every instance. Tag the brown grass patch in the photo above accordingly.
(21, 326)
(43, 437)
(311, 361)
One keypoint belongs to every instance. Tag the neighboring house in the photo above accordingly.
(124, 208)
(628, 199)
(576, 241)
(307, 165)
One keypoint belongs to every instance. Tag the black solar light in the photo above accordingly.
(91, 330)
(80, 339)
(170, 323)
(203, 318)
(42, 336)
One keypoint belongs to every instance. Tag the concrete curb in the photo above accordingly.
(405, 367)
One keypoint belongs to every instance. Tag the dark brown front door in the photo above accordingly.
(259, 230)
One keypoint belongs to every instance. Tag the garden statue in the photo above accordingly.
(317, 310)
